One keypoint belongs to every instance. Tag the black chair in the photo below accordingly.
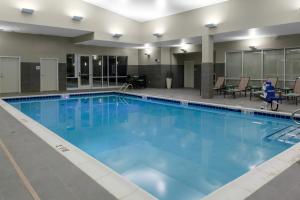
(137, 81)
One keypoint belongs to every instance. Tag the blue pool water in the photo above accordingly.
(174, 152)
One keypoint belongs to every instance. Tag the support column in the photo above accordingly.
(207, 68)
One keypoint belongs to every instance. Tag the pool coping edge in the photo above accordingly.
(114, 183)
(239, 188)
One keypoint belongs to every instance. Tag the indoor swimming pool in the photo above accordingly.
(172, 150)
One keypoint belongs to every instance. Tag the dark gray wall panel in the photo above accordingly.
(62, 76)
(156, 75)
(30, 77)
(153, 75)
(207, 74)
(178, 76)
(197, 77)
(133, 70)
(220, 69)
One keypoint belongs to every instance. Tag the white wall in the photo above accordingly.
(57, 13)
(232, 15)
(33, 47)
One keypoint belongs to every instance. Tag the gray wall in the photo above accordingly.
(33, 47)
(30, 77)
(156, 75)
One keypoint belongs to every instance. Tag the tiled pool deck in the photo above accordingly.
(54, 177)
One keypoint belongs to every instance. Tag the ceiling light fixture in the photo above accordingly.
(117, 35)
(211, 25)
(77, 18)
(27, 11)
(158, 35)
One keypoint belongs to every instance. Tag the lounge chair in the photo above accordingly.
(258, 93)
(296, 91)
(219, 86)
(243, 86)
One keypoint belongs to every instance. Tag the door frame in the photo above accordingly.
(193, 78)
(57, 77)
(19, 78)
(80, 87)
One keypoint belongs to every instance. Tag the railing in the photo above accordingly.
(125, 86)
(294, 116)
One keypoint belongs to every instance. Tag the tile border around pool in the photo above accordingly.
(107, 178)
(240, 188)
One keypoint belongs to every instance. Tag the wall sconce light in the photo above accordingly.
(253, 48)
(157, 35)
(211, 25)
(117, 35)
(27, 11)
(77, 18)
(148, 52)
(183, 50)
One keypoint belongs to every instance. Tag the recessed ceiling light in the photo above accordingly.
(117, 35)
(27, 11)
(211, 25)
(77, 18)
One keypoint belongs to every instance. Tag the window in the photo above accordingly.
(72, 80)
(253, 67)
(234, 65)
(274, 65)
(292, 70)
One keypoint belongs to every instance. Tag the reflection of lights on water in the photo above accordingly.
(161, 186)
(148, 177)
(251, 167)
(259, 123)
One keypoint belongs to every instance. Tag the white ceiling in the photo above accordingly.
(39, 30)
(145, 10)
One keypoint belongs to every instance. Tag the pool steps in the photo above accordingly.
(289, 135)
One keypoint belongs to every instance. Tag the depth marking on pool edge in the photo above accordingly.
(62, 148)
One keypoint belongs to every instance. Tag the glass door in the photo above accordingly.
(72, 72)
(85, 69)
(97, 71)
(121, 70)
(112, 69)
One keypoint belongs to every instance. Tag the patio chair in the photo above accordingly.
(296, 92)
(258, 93)
(243, 86)
(219, 86)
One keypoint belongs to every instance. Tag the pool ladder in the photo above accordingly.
(125, 87)
(289, 135)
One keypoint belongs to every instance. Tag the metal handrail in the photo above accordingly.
(294, 116)
(125, 86)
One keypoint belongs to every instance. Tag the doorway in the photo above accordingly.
(49, 74)
(84, 72)
(10, 75)
(189, 71)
